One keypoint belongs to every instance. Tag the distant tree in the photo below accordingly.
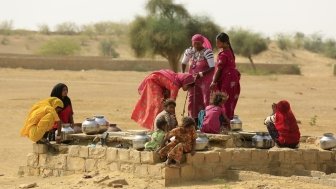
(107, 48)
(284, 41)
(329, 48)
(247, 43)
(67, 28)
(6, 27)
(167, 31)
(44, 29)
(299, 40)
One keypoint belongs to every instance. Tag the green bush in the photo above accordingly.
(6, 27)
(284, 42)
(107, 48)
(44, 29)
(329, 48)
(67, 28)
(60, 47)
(314, 43)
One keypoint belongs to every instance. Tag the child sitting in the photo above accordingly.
(168, 114)
(282, 125)
(157, 136)
(215, 120)
(184, 142)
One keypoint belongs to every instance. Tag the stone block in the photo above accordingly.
(57, 172)
(83, 152)
(172, 173)
(75, 164)
(230, 143)
(155, 171)
(204, 173)
(211, 157)
(219, 171)
(134, 156)
(225, 157)
(40, 148)
(311, 166)
(114, 166)
(32, 171)
(241, 155)
(90, 165)
(32, 159)
(293, 155)
(56, 162)
(149, 157)
(97, 152)
(124, 155)
(127, 167)
(102, 164)
(47, 173)
(187, 172)
(66, 173)
(259, 156)
(42, 160)
(74, 151)
(324, 155)
(197, 159)
(141, 170)
(111, 154)
(62, 148)
(309, 155)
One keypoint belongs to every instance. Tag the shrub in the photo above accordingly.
(6, 27)
(44, 29)
(284, 42)
(67, 28)
(60, 47)
(107, 48)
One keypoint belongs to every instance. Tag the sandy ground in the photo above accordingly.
(114, 94)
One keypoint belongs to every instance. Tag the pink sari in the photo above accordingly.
(229, 80)
(151, 95)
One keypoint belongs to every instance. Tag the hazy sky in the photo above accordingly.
(266, 16)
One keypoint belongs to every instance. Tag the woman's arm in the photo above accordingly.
(216, 77)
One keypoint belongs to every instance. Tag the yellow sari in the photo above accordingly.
(41, 118)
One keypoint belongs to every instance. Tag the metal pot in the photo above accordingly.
(262, 140)
(90, 126)
(139, 140)
(328, 141)
(65, 131)
(236, 123)
(201, 141)
(102, 122)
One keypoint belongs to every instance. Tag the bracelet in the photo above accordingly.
(200, 74)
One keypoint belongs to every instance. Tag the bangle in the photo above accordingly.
(200, 74)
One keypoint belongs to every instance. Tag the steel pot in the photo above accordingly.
(65, 131)
(139, 140)
(201, 141)
(236, 124)
(328, 141)
(102, 122)
(262, 140)
(90, 126)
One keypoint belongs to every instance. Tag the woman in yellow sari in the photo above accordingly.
(41, 118)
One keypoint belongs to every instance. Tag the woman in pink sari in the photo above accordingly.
(226, 75)
(153, 90)
(201, 65)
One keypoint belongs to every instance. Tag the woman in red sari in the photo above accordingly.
(226, 77)
(156, 87)
(201, 65)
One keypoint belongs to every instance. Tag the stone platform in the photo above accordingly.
(205, 165)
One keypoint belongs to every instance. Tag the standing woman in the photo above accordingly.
(66, 115)
(153, 90)
(226, 77)
(201, 66)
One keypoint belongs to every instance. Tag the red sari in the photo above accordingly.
(212, 123)
(64, 115)
(151, 91)
(229, 80)
(286, 125)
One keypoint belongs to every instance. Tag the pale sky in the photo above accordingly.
(266, 16)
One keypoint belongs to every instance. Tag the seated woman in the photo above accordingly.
(168, 114)
(215, 120)
(153, 90)
(282, 125)
(184, 142)
(66, 115)
(158, 136)
(41, 119)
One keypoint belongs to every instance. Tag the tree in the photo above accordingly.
(247, 44)
(67, 28)
(167, 31)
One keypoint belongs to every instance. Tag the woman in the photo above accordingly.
(282, 125)
(41, 118)
(153, 90)
(201, 66)
(66, 115)
(226, 77)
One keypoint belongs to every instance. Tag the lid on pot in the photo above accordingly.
(99, 116)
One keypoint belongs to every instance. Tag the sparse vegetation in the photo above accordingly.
(284, 42)
(107, 48)
(6, 27)
(4, 41)
(67, 28)
(60, 47)
(313, 121)
(44, 29)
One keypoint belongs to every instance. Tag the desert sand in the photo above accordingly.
(114, 94)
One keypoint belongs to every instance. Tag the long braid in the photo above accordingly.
(223, 37)
(232, 50)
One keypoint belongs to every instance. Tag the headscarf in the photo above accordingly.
(40, 109)
(57, 92)
(200, 38)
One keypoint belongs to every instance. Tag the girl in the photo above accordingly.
(66, 115)
(168, 114)
(282, 125)
(215, 119)
(158, 136)
(184, 142)
(153, 90)
(226, 77)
